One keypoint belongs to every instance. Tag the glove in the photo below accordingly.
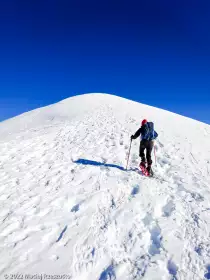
(132, 137)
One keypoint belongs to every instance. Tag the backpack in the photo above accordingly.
(149, 133)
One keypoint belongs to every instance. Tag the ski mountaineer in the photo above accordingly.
(148, 135)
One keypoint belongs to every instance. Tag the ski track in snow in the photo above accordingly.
(68, 205)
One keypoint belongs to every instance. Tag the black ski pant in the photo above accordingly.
(148, 146)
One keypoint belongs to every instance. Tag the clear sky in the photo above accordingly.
(154, 52)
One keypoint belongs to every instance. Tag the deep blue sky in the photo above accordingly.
(154, 52)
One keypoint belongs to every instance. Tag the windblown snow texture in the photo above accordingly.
(68, 206)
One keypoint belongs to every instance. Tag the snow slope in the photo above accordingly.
(69, 207)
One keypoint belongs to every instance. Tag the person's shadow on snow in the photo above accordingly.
(97, 163)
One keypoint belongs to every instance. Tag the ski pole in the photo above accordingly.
(128, 155)
(155, 156)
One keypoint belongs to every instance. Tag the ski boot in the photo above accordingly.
(143, 168)
(149, 171)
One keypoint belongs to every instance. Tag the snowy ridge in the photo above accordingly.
(68, 206)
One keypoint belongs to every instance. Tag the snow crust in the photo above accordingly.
(68, 206)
